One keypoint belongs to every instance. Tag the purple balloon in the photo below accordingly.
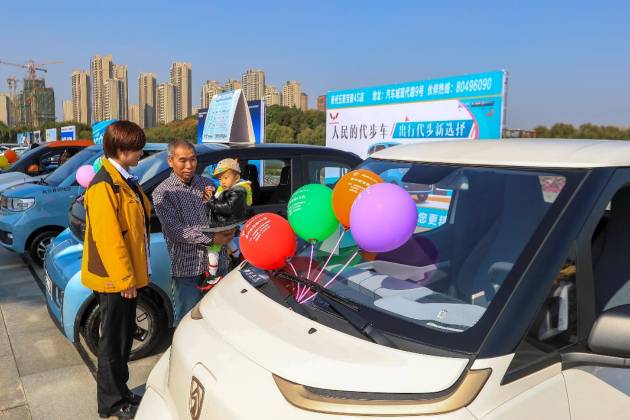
(383, 218)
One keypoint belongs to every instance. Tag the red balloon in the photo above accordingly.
(11, 155)
(267, 240)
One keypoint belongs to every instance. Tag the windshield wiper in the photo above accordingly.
(288, 298)
(345, 308)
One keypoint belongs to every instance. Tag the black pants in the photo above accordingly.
(118, 323)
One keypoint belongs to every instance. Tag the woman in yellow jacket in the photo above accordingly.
(116, 261)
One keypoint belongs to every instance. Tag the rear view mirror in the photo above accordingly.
(609, 335)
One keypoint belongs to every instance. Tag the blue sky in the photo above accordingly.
(567, 61)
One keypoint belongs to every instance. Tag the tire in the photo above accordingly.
(39, 245)
(150, 325)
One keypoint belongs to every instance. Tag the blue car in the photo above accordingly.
(275, 170)
(32, 214)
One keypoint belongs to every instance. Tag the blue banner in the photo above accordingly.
(459, 87)
(98, 130)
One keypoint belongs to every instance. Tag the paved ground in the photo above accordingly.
(42, 375)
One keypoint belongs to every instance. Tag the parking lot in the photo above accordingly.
(42, 374)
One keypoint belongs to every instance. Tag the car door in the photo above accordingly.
(597, 387)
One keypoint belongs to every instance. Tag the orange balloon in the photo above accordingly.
(348, 189)
(11, 155)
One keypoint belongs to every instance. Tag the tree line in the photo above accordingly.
(584, 131)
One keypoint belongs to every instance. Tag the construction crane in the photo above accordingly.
(32, 69)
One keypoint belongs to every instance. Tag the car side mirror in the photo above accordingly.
(609, 335)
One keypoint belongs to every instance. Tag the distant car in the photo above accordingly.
(32, 214)
(275, 170)
(20, 150)
(35, 163)
(517, 307)
(377, 147)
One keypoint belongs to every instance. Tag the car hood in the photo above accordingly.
(278, 340)
(10, 179)
(26, 190)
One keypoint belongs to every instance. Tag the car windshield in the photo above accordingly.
(473, 225)
(69, 168)
(18, 164)
(150, 167)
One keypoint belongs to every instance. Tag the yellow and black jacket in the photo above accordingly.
(114, 251)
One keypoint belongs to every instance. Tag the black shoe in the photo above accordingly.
(134, 399)
(124, 412)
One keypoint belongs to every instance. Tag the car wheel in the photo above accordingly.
(39, 245)
(149, 326)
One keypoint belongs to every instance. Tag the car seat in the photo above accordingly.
(251, 174)
(282, 192)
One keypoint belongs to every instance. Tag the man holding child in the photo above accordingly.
(183, 202)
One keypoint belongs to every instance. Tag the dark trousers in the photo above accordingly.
(118, 323)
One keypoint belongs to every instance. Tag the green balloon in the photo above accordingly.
(311, 213)
(97, 164)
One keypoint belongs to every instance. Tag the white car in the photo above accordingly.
(516, 305)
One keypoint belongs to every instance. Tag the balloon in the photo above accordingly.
(11, 155)
(4, 163)
(267, 240)
(310, 212)
(97, 164)
(85, 175)
(383, 218)
(348, 189)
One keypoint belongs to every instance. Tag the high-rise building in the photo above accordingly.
(115, 96)
(253, 82)
(181, 78)
(102, 69)
(231, 85)
(120, 73)
(321, 103)
(272, 96)
(134, 113)
(36, 104)
(147, 98)
(304, 101)
(208, 90)
(81, 106)
(68, 111)
(292, 94)
(6, 114)
(166, 102)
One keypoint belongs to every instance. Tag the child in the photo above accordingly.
(229, 207)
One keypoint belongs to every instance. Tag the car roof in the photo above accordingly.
(66, 143)
(148, 146)
(285, 147)
(534, 153)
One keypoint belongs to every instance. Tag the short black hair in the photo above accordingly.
(123, 136)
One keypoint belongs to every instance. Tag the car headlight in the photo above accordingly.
(18, 204)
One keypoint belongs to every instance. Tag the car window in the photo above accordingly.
(54, 158)
(325, 172)
(70, 167)
(270, 179)
(555, 325)
(611, 253)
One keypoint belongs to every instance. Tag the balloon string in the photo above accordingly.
(304, 289)
(299, 289)
(331, 254)
(310, 261)
(334, 278)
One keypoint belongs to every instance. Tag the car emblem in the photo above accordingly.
(197, 393)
